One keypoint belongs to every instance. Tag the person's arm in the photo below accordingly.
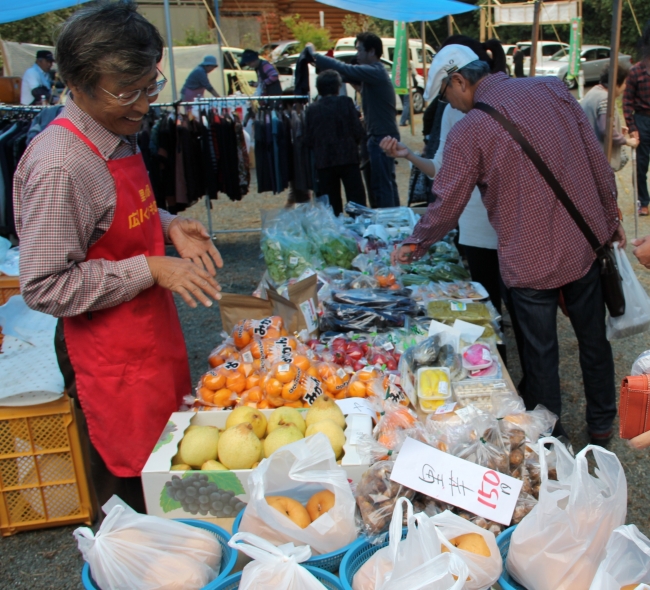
(453, 188)
(601, 122)
(628, 102)
(271, 74)
(205, 82)
(396, 149)
(353, 73)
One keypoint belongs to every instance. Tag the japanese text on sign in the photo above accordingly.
(455, 481)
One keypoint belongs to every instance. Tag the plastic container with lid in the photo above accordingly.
(484, 394)
(433, 395)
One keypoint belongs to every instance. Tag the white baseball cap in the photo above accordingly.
(448, 60)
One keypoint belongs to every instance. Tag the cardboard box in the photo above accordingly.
(156, 472)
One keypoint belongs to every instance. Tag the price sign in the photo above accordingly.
(455, 481)
(356, 405)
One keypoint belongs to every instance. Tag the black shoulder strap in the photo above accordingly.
(560, 193)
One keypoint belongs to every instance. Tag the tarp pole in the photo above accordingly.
(535, 38)
(424, 52)
(170, 50)
(482, 8)
(409, 77)
(617, 12)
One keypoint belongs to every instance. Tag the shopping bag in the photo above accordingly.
(273, 568)
(561, 542)
(483, 571)
(299, 470)
(134, 551)
(636, 318)
(627, 561)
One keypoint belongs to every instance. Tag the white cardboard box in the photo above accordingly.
(157, 472)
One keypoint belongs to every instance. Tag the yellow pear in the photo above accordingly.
(281, 436)
(285, 415)
(246, 414)
(199, 445)
(212, 466)
(180, 467)
(239, 447)
(332, 431)
(325, 408)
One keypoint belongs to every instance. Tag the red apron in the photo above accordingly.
(130, 361)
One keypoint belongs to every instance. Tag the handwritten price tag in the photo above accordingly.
(356, 405)
(455, 481)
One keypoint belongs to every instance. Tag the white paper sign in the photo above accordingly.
(455, 481)
(310, 314)
(471, 332)
(356, 405)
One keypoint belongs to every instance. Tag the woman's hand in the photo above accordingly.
(393, 148)
(193, 242)
(641, 442)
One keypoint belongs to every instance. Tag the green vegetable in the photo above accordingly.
(338, 250)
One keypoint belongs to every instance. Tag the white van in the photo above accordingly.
(349, 44)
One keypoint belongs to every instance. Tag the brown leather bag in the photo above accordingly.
(634, 407)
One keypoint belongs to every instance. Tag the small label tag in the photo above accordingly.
(388, 346)
(367, 369)
(458, 306)
(392, 378)
(446, 409)
(284, 368)
(341, 373)
(247, 357)
(443, 388)
(486, 355)
(293, 260)
(310, 314)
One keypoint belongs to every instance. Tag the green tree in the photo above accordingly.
(194, 37)
(306, 32)
(40, 29)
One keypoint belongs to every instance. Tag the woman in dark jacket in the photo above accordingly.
(333, 131)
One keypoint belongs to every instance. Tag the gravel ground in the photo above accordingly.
(49, 558)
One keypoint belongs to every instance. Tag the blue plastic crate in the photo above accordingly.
(503, 542)
(228, 554)
(327, 561)
(358, 553)
(330, 581)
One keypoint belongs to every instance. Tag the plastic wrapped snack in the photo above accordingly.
(455, 310)
(377, 495)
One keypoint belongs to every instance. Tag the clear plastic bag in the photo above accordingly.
(627, 561)
(641, 365)
(636, 318)
(299, 470)
(134, 551)
(560, 543)
(273, 568)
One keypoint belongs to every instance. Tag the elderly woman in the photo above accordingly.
(92, 245)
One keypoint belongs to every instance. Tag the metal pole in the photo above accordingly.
(409, 77)
(617, 11)
(170, 50)
(482, 23)
(220, 41)
(535, 38)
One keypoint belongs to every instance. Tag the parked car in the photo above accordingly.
(509, 50)
(287, 66)
(233, 73)
(284, 48)
(593, 58)
(349, 44)
(547, 49)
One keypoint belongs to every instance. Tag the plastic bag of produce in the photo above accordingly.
(342, 317)
(134, 551)
(636, 318)
(273, 568)
(297, 472)
(627, 564)
(561, 542)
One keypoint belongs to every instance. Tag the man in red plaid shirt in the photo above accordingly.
(636, 108)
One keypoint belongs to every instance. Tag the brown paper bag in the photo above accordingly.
(299, 312)
(235, 307)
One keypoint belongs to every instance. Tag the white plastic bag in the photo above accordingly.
(627, 561)
(483, 571)
(273, 568)
(299, 470)
(636, 318)
(414, 562)
(561, 542)
(134, 551)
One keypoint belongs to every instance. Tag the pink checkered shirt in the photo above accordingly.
(64, 200)
(540, 246)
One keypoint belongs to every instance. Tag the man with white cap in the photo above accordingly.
(542, 252)
(198, 82)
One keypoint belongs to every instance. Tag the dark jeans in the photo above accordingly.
(382, 169)
(484, 267)
(329, 183)
(536, 315)
(643, 157)
(103, 483)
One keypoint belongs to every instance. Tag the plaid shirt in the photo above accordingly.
(540, 246)
(637, 94)
(64, 200)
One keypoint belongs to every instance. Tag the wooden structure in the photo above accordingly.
(269, 14)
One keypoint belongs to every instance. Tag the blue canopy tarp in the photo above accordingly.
(411, 11)
(10, 11)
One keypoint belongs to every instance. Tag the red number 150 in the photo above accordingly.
(492, 479)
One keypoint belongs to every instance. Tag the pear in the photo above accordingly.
(246, 414)
(180, 467)
(281, 436)
(176, 460)
(285, 415)
(332, 431)
(239, 447)
(212, 466)
(325, 408)
(199, 445)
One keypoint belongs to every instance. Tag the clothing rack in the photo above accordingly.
(210, 101)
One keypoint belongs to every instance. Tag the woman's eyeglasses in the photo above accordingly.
(127, 98)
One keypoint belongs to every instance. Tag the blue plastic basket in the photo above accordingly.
(503, 542)
(358, 553)
(327, 561)
(228, 554)
(330, 581)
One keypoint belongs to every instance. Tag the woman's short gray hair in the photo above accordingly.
(107, 38)
(474, 71)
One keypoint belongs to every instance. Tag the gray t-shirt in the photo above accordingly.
(377, 93)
